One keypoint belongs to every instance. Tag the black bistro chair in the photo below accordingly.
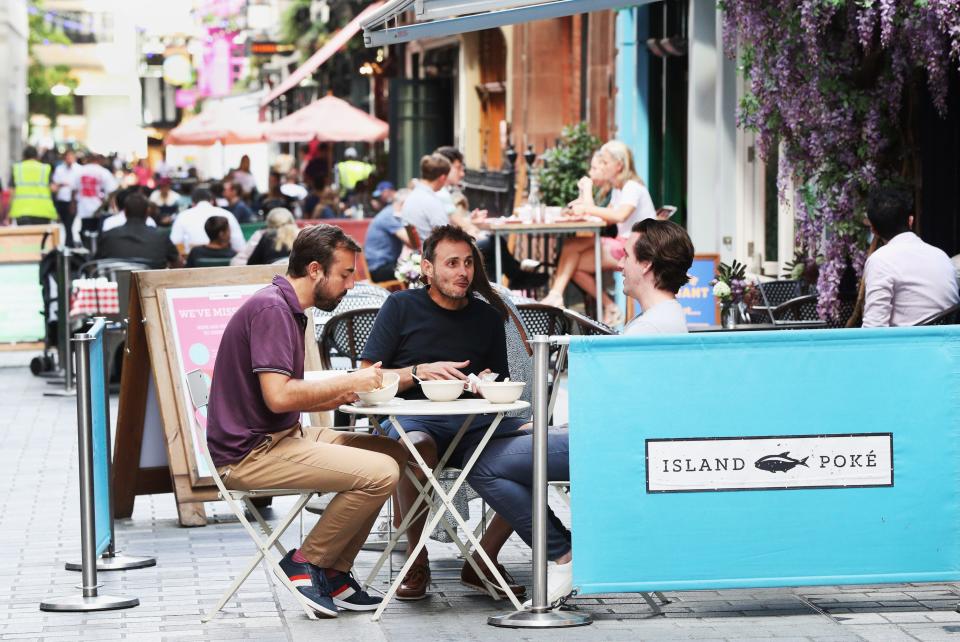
(950, 316)
(345, 336)
(773, 294)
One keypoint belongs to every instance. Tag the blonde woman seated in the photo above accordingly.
(630, 203)
(277, 241)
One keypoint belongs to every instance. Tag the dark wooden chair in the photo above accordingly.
(345, 335)
(415, 241)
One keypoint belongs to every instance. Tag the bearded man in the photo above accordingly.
(442, 331)
(253, 428)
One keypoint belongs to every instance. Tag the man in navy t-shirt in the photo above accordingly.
(442, 331)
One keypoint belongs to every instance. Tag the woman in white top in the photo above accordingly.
(630, 203)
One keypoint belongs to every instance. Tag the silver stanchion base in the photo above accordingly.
(81, 603)
(61, 393)
(545, 620)
(116, 562)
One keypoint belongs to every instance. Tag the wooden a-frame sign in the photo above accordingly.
(152, 348)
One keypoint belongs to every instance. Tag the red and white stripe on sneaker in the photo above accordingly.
(343, 593)
(301, 580)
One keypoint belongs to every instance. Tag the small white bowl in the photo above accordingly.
(502, 391)
(442, 389)
(386, 392)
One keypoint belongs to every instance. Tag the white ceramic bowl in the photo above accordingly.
(502, 391)
(442, 389)
(386, 392)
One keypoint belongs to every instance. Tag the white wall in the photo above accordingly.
(721, 216)
(13, 83)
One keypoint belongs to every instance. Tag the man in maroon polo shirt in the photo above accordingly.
(253, 428)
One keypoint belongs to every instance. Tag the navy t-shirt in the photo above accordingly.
(411, 329)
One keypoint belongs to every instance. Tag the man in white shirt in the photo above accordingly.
(423, 209)
(120, 218)
(906, 280)
(188, 229)
(91, 185)
(64, 177)
(659, 255)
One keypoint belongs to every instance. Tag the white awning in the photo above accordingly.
(439, 18)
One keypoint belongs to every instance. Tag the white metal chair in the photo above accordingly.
(240, 501)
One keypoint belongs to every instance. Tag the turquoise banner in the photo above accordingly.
(765, 459)
(21, 314)
(101, 436)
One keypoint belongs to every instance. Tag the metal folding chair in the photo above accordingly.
(240, 501)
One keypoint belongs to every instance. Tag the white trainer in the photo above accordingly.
(529, 265)
(559, 583)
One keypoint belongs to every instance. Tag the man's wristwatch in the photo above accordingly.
(413, 371)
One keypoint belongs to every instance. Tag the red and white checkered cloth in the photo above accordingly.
(92, 297)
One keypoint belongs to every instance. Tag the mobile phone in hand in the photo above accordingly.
(665, 212)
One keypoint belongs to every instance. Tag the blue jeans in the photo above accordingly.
(503, 476)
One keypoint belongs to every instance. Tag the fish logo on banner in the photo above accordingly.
(779, 462)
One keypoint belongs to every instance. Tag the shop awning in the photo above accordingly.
(335, 44)
(439, 18)
(218, 125)
(329, 119)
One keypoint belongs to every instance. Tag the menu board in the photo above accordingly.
(197, 319)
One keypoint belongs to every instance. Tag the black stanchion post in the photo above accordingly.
(63, 326)
(89, 599)
(540, 615)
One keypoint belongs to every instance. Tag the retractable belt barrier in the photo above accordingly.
(96, 518)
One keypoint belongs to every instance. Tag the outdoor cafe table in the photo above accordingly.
(467, 408)
(504, 227)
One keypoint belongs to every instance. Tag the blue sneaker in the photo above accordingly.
(312, 584)
(349, 595)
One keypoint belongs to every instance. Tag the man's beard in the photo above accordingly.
(453, 294)
(323, 300)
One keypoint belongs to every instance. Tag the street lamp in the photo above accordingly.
(60, 90)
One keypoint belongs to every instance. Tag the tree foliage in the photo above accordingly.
(41, 78)
(566, 163)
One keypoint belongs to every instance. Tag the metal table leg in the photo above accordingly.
(598, 274)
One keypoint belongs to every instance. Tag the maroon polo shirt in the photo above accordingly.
(265, 335)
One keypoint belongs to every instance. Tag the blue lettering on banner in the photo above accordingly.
(696, 296)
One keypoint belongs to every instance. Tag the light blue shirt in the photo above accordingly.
(424, 211)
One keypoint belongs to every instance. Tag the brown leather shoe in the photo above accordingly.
(414, 585)
(468, 577)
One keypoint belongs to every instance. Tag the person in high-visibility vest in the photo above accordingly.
(32, 202)
(351, 171)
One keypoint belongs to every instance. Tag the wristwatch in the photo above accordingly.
(413, 370)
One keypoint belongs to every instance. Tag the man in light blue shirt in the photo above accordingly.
(423, 209)
(385, 240)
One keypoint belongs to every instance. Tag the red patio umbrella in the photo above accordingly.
(218, 125)
(329, 119)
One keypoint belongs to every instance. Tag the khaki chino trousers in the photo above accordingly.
(362, 469)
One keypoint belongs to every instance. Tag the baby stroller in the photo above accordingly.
(47, 364)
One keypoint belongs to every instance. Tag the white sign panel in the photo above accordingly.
(769, 463)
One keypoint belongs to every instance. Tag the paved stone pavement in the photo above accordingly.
(39, 531)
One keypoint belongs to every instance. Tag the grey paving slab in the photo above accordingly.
(39, 531)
